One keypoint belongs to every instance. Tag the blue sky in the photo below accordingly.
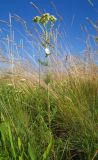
(74, 13)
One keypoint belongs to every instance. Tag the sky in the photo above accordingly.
(74, 13)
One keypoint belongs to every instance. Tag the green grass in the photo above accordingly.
(25, 132)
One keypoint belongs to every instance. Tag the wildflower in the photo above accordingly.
(52, 19)
(46, 15)
(37, 19)
(44, 18)
(47, 51)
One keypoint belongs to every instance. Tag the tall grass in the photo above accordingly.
(25, 130)
(24, 118)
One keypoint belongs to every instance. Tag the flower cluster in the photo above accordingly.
(36, 19)
(44, 19)
(52, 19)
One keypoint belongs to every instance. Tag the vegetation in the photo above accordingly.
(54, 118)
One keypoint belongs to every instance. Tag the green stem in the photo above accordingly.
(49, 111)
(48, 96)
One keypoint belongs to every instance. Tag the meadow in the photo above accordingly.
(49, 106)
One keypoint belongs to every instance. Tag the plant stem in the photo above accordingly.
(49, 110)
(49, 119)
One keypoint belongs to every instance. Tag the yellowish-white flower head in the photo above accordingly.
(37, 19)
(52, 19)
(45, 18)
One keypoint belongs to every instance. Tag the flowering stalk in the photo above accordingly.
(46, 22)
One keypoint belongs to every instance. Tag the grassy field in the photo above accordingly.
(69, 130)
(49, 113)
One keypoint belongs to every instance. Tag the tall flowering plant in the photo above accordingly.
(46, 22)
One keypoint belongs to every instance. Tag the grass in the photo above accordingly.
(24, 127)
(48, 115)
